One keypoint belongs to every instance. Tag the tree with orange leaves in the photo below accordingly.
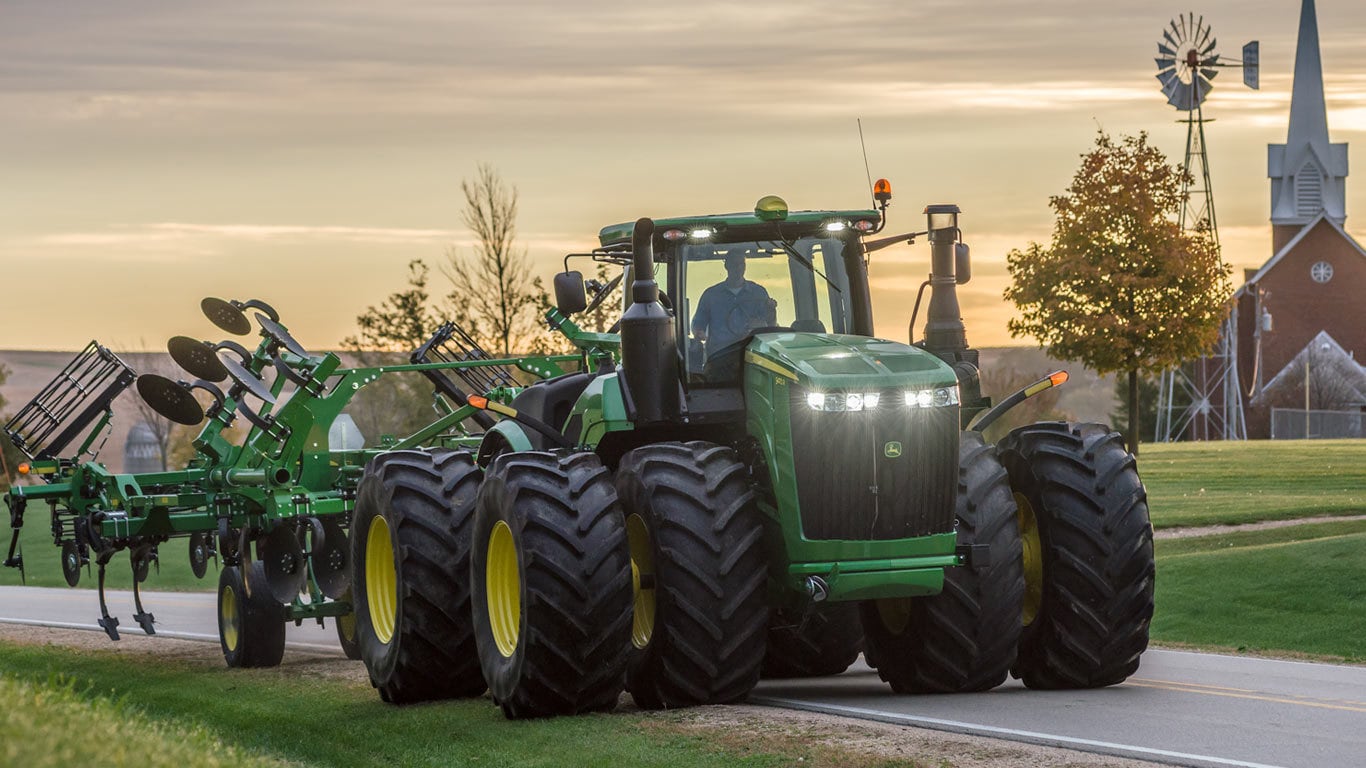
(1121, 287)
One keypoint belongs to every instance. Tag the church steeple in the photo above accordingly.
(1308, 174)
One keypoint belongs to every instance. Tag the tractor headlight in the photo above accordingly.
(932, 398)
(842, 401)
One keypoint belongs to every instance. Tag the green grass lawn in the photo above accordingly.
(305, 714)
(1242, 482)
(1300, 588)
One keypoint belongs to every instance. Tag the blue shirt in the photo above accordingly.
(727, 316)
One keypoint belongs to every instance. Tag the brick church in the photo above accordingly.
(1301, 317)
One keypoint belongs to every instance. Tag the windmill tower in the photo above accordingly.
(1201, 399)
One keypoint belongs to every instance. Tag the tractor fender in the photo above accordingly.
(506, 436)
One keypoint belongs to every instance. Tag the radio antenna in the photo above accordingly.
(864, 147)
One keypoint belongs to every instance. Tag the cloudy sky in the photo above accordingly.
(303, 152)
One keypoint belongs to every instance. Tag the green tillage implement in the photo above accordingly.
(282, 487)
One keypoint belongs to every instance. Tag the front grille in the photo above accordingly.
(851, 484)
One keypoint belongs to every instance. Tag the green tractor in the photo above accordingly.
(742, 481)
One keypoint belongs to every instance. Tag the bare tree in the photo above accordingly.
(163, 429)
(494, 296)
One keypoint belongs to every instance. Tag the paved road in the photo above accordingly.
(1181, 708)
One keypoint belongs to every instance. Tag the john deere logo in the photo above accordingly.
(892, 450)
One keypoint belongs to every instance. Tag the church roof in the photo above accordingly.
(1295, 241)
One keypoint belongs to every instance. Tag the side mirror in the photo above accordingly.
(569, 294)
(962, 262)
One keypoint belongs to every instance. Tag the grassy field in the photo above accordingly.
(309, 715)
(1243, 482)
(1299, 589)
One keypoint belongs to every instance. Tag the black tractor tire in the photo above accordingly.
(410, 547)
(552, 585)
(251, 627)
(1088, 617)
(964, 638)
(697, 538)
(821, 642)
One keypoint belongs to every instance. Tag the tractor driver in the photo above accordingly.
(729, 310)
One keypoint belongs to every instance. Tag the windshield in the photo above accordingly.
(732, 290)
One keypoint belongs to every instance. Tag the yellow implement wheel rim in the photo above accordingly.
(504, 581)
(227, 615)
(381, 579)
(1033, 558)
(347, 625)
(895, 613)
(642, 569)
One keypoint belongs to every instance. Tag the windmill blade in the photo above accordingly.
(1202, 91)
(1171, 41)
(1205, 35)
(1209, 74)
(1178, 94)
(1182, 32)
(1164, 65)
(1165, 51)
(1175, 31)
(1212, 61)
(1210, 47)
(1166, 77)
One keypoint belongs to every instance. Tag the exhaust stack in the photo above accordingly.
(649, 351)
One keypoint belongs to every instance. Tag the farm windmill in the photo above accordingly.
(1201, 399)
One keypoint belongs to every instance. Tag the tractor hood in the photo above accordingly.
(838, 361)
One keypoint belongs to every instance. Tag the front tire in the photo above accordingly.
(251, 627)
(410, 544)
(1089, 555)
(552, 585)
(964, 638)
(696, 537)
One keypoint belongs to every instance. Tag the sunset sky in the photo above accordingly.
(156, 152)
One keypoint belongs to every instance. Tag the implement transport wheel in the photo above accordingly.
(346, 631)
(964, 638)
(251, 628)
(552, 585)
(410, 543)
(824, 641)
(699, 566)
(1088, 555)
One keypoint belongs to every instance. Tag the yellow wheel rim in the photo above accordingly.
(347, 625)
(381, 579)
(1033, 558)
(895, 613)
(504, 581)
(642, 570)
(227, 615)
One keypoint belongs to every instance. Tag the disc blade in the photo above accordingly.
(248, 380)
(197, 358)
(330, 566)
(283, 559)
(278, 332)
(199, 554)
(170, 399)
(227, 317)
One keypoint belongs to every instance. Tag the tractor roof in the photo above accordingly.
(744, 226)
